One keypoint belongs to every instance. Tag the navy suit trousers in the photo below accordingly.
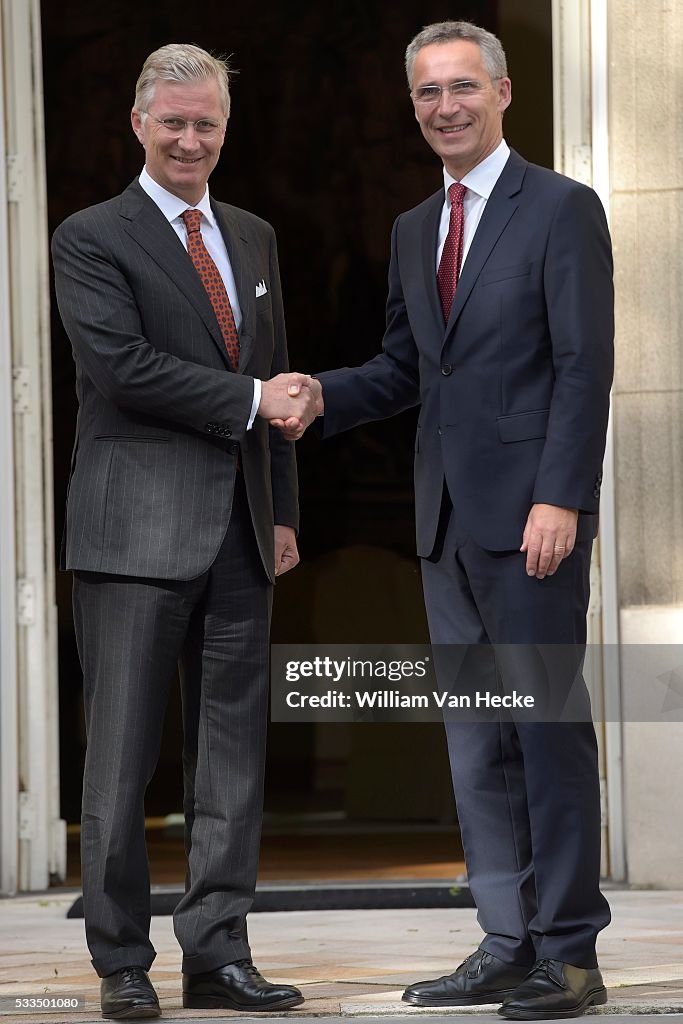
(527, 793)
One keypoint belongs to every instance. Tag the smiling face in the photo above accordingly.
(463, 131)
(181, 163)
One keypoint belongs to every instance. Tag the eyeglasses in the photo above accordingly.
(431, 94)
(177, 125)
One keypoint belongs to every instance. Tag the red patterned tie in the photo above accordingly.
(451, 257)
(213, 283)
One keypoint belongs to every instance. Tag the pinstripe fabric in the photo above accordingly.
(223, 761)
(217, 627)
(162, 418)
(173, 556)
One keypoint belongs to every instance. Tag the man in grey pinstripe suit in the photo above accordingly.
(182, 509)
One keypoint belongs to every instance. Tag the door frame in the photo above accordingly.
(581, 150)
(33, 835)
(9, 722)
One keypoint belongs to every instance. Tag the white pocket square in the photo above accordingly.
(261, 289)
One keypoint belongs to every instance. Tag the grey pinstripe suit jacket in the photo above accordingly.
(162, 418)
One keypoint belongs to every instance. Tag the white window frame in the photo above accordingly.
(581, 126)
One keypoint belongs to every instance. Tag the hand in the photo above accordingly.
(549, 536)
(291, 428)
(286, 551)
(290, 402)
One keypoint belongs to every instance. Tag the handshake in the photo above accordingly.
(290, 402)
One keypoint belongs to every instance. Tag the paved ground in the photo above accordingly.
(348, 963)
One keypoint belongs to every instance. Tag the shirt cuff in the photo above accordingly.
(255, 404)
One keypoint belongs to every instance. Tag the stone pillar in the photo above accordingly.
(646, 161)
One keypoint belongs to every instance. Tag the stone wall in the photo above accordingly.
(646, 157)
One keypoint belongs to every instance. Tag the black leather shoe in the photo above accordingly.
(481, 978)
(237, 986)
(128, 995)
(554, 989)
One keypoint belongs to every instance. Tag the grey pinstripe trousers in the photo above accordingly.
(131, 633)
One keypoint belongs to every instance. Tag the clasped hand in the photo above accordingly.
(290, 402)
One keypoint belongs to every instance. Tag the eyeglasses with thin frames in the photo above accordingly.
(205, 126)
(428, 95)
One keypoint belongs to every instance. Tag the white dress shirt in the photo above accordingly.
(479, 183)
(173, 208)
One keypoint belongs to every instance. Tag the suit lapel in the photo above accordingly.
(237, 243)
(499, 209)
(430, 234)
(147, 225)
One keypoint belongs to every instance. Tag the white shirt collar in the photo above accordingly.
(172, 206)
(482, 178)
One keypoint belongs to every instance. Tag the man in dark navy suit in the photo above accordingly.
(500, 327)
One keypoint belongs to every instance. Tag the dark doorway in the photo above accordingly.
(323, 144)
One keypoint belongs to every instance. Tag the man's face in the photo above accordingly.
(463, 130)
(181, 162)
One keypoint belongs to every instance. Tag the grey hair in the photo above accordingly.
(182, 62)
(492, 51)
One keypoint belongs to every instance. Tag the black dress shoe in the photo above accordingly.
(554, 989)
(481, 978)
(128, 995)
(237, 986)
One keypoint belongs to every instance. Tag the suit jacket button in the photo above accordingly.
(211, 428)
(447, 369)
(226, 432)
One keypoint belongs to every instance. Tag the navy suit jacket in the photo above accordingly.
(162, 416)
(514, 389)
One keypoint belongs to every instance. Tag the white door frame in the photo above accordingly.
(581, 134)
(9, 720)
(29, 711)
(32, 838)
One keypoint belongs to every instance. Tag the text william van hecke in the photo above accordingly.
(444, 699)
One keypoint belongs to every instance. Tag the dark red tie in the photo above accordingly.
(213, 283)
(451, 257)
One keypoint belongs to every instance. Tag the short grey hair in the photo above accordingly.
(182, 62)
(491, 47)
